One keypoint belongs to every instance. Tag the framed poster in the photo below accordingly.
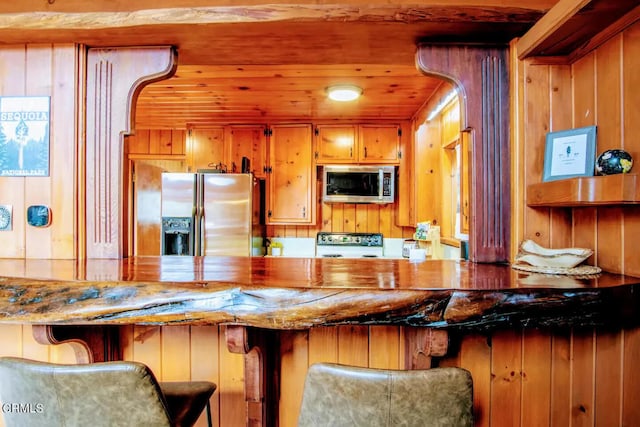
(569, 154)
(24, 135)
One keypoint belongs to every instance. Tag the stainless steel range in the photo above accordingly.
(349, 245)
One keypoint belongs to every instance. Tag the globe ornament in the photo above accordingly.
(612, 162)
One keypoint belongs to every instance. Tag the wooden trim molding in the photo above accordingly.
(115, 77)
(482, 78)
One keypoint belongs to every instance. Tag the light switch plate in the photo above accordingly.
(6, 215)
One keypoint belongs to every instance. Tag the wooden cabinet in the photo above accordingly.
(378, 143)
(247, 141)
(357, 144)
(335, 144)
(205, 148)
(290, 177)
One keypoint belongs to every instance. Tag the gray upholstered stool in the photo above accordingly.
(97, 394)
(345, 396)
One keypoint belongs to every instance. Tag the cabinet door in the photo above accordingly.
(206, 148)
(290, 179)
(335, 144)
(379, 144)
(249, 142)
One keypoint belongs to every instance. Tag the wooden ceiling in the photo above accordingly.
(260, 63)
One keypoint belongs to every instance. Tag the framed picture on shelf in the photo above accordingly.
(569, 153)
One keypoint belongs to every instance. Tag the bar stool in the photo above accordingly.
(347, 396)
(105, 394)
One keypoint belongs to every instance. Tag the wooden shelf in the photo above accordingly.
(572, 28)
(621, 189)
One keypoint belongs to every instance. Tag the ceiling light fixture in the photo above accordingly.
(344, 92)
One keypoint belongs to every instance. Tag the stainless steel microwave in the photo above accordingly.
(358, 184)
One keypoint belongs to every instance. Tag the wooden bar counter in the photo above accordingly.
(299, 293)
(259, 299)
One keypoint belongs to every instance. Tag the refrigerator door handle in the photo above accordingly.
(198, 197)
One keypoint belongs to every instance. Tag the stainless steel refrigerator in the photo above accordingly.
(211, 214)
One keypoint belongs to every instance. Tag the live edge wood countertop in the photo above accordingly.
(299, 293)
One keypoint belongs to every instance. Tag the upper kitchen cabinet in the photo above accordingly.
(205, 148)
(248, 141)
(357, 144)
(379, 143)
(291, 175)
(335, 143)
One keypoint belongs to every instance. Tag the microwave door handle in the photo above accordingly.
(380, 183)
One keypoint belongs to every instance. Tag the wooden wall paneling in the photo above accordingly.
(178, 141)
(608, 378)
(138, 143)
(353, 345)
(537, 116)
(475, 355)
(536, 378)
(294, 353)
(506, 385)
(630, 141)
(349, 210)
(608, 111)
(12, 189)
(38, 189)
(584, 219)
(373, 218)
(384, 347)
(11, 339)
(204, 365)
(337, 217)
(176, 353)
(147, 347)
(631, 378)
(361, 218)
(233, 408)
(560, 379)
(583, 354)
(31, 349)
(64, 150)
(561, 220)
(323, 344)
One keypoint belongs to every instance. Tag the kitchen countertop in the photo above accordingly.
(298, 293)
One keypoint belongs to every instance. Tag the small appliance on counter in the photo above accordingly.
(407, 245)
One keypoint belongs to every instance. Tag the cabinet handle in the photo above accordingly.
(304, 212)
(351, 152)
(365, 152)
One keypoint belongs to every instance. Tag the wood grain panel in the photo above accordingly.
(583, 386)
(561, 372)
(205, 365)
(536, 378)
(294, 364)
(506, 385)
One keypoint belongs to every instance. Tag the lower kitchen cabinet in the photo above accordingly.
(290, 175)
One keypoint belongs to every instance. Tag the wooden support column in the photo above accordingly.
(90, 343)
(482, 77)
(422, 345)
(261, 372)
(115, 77)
